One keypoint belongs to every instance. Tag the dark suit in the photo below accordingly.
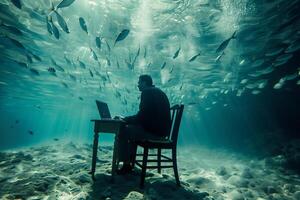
(154, 114)
(153, 121)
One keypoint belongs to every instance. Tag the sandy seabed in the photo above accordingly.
(59, 170)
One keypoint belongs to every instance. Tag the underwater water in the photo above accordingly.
(235, 65)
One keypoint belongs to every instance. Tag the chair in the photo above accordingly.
(169, 143)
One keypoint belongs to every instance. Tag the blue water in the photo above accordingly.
(240, 100)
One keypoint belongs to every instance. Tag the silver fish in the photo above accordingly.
(98, 42)
(176, 53)
(62, 23)
(124, 33)
(194, 57)
(65, 3)
(83, 24)
(225, 43)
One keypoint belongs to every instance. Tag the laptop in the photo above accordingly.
(103, 110)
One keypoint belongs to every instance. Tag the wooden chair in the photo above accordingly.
(169, 143)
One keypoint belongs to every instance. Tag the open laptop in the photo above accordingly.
(103, 110)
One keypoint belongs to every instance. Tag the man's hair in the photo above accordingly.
(147, 79)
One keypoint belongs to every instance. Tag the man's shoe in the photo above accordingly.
(126, 169)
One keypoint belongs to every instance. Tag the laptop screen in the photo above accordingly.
(103, 110)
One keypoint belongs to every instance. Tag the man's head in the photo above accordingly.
(145, 81)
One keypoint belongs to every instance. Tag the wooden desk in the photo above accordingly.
(106, 126)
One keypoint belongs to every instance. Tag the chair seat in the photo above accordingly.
(156, 143)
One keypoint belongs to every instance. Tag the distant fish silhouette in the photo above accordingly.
(80, 98)
(220, 56)
(30, 132)
(108, 47)
(62, 23)
(83, 24)
(124, 33)
(65, 3)
(11, 29)
(98, 42)
(225, 43)
(163, 65)
(94, 54)
(17, 121)
(34, 71)
(81, 64)
(194, 57)
(17, 3)
(91, 73)
(54, 28)
(55, 139)
(176, 53)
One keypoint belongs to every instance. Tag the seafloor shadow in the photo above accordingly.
(127, 187)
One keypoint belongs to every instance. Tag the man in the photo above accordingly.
(153, 121)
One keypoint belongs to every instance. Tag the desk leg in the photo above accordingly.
(94, 159)
(114, 160)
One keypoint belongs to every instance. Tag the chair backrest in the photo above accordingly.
(176, 114)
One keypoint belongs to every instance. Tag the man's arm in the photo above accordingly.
(144, 109)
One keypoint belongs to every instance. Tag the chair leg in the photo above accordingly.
(159, 160)
(133, 159)
(175, 166)
(144, 167)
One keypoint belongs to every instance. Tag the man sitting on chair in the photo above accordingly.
(153, 121)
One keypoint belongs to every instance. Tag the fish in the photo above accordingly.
(81, 64)
(83, 25)
(181, 86)
(136, 56)
(17, 121)
(30, 132)
(55, 139)
(29, 59)
(12, 29)
(35, 56)
(17, 43)
(54, 29)
(34, 71)
(65, 3)
(124, 33)
(64, 84)
(62, 23)
(98, 42)
(59, 68)
(17, 3)
(108, 47)
(118, 65)
(22, 64)
(49, 27)
(172, 69)
(67, 60)
(225, 43)
(177, 53)
(51, 70)
(80, 98)
(108, 61)
(145, 52)
(94, 54)
(219, 56)
(163, 65)
(194, 57)
(91, 73)
(72, 77)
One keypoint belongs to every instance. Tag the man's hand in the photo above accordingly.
(118, 117)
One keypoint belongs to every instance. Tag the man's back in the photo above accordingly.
(154, 114)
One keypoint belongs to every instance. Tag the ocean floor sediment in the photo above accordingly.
(59, 170)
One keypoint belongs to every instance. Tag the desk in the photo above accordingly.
(107, 126)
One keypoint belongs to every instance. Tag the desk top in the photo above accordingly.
(108, 120)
